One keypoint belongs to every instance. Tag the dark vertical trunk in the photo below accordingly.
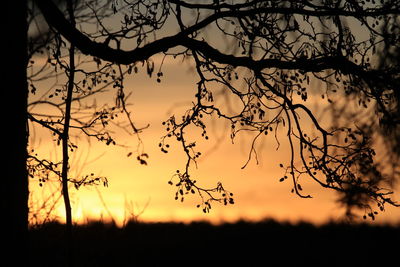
(14, 182)
(65, 154)
(65, 140)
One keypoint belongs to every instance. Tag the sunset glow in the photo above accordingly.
(142, 190)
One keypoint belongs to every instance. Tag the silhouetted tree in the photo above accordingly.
(273, 51)
(389, 121)
(14, 188)
(60, 82)
(284, 46)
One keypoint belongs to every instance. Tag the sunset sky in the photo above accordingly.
(144, 190)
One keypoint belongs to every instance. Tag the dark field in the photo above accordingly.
(266, 243)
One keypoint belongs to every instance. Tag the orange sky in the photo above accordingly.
(134, 188)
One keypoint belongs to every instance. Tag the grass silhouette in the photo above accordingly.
(266, 243)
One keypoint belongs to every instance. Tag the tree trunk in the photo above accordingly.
(14, 186)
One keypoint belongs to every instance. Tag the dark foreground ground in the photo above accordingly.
(266, 243)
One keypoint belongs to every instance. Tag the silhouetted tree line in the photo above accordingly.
(266, 243)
